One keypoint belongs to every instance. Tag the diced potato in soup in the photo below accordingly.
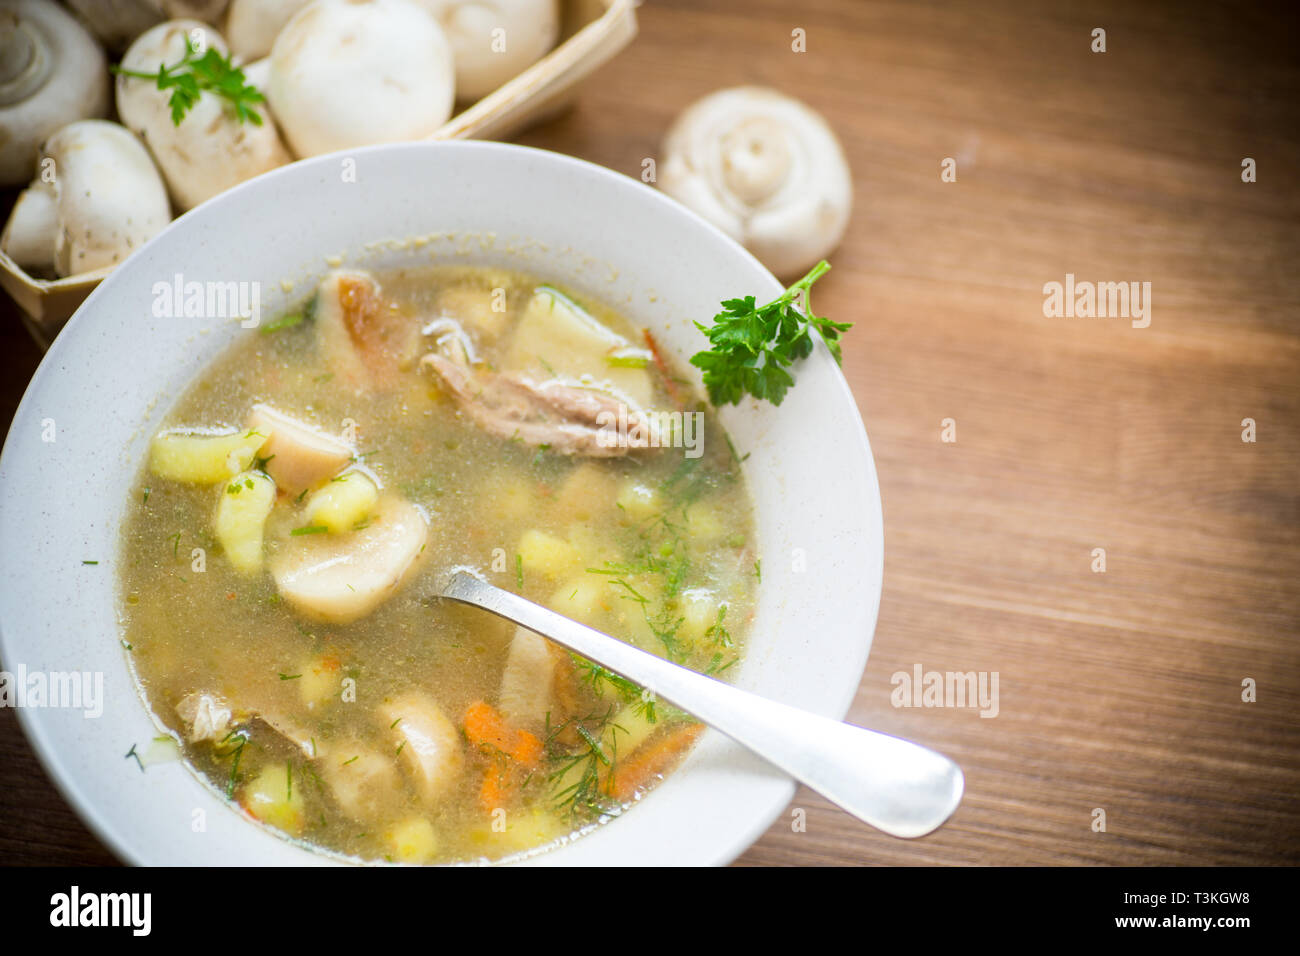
(343, 504)
(242, 511)
(304, 498)
(560, 336)
(204, 459)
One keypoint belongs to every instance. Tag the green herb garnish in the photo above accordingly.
(309, 529)
(242, 736)
(286, 321)
(752, 346)
(627, 359)
(196, 72)
(717, 633)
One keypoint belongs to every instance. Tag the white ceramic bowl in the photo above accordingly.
(114, 372)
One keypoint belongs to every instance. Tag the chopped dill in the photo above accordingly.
(236, 754)
(717, 633)
(714, 669)
(593, 743)
(583, 796)
(286, 321)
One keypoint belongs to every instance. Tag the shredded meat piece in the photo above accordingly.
(208, 716)
(570, 419)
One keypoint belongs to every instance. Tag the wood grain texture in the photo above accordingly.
(1119, 690)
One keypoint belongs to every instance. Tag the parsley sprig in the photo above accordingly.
(196, 72)
(753, 346)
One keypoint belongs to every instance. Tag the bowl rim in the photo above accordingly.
(67, 782)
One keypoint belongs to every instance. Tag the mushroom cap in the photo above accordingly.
(347, 73)
(493, 41)
(106, 195)
(210, 150)
(764, 168)
(253, 25)
(117, 22)
(52, 72)
(209, 11)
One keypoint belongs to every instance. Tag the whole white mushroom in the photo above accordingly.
(347, 73)
(52, 72)
(493, 41)
(765, 169)
(253, 25)
(97, 200)
(210, 150)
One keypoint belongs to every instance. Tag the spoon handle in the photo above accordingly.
(897, 786)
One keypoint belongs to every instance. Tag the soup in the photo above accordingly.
(285, 542)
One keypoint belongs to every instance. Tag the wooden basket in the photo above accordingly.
(591, 33)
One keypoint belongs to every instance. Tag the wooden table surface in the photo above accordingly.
(1119, 690)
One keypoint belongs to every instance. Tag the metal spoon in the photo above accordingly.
(897, 786)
